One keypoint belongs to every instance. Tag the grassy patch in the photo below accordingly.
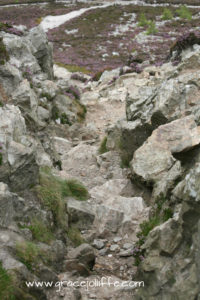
(125, 162)
(75, 236)
(103, 148)
(40, 231)
(6, 285)
(28, 253)
(167, 14)
(167, 214)
(4, 56)
(77, 189)
(143, 20)
(184, 12)
(52, 191)
(147, 226)
(51, 196)
(74, 68)
(151, 28)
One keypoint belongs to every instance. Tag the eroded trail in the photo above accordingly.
(110, 218)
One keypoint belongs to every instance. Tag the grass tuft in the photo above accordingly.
(50, 195)
(184, 12)
(6, 285)
(103, 149)
(143, 20)
(74, 68)
(167, 14)
(77, 190)
(151, 28)
(40, 231)
(52, 192)
(28, 254)
(75, 236)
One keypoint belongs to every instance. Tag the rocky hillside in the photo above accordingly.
(99, 179)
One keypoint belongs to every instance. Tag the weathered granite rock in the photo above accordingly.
(115, 213)
(19, 167)
(42, 50)
(155, 158)
(25, 98)
(172, 247)
(81, 213)
(161, 102)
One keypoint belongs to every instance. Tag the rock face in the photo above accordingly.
(27, 93)
(18, 167)
(160, 138)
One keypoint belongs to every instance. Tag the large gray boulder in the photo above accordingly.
(155, 158)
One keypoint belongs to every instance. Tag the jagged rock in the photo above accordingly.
(75, 160)
(108, 75)
(161, 102)
(42, 50)
(81, 259)
(126, 137)
(10, 78)
(19, 167)
(62, 145)
(155, 158)
(116, 213)
(165, 238)
(98, 244)
(171, 246)
(43, 114)
(81, 213)
(12, 207)
(26, 99)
